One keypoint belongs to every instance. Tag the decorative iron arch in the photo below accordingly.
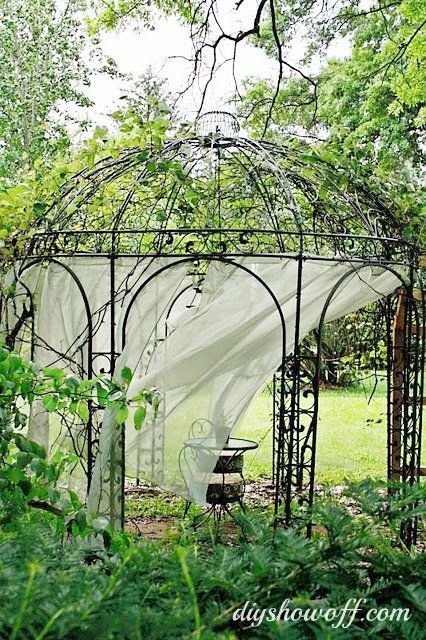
(88, 371)
(411, 427)
(231, 263)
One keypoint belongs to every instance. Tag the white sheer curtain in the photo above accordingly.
(221, 355)
(210, 361)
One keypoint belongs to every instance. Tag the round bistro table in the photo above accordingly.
(226, 484)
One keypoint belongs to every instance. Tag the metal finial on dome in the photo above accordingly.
(217, 123)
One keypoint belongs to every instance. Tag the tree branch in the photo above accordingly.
(45, 506)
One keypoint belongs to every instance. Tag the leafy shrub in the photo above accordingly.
(27, 477)
(190, 589)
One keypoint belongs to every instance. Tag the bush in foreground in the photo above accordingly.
(187, 588)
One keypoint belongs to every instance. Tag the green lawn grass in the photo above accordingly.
(351, 434)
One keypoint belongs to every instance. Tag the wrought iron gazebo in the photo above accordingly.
(245, 223)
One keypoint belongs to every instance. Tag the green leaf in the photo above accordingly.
(23, 459)
(40, 207)
(122, 414)
(38, 466)
(50, 402)
(14, 475)
(29, 446)
(15, 362)
(75, 500)
(5, 366)
(83, 411)
(72, 381)
(54, 495)
(139, 417)
(127, 375)
(25, 485)
(55, 374)
(102, 394)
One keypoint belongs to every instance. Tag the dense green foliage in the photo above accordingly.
(369, 109)
(104, 584)
(46, 61)
(185, 588)
(25, 202)
(110, 15)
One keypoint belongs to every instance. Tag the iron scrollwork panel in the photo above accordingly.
(294, 436)
(405, 375)
(413, 355)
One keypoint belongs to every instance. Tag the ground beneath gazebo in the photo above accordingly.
(157, 515)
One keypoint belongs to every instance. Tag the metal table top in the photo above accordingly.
(232, 444)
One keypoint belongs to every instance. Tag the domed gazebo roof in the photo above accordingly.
(219, 192)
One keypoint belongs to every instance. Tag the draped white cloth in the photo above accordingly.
(208, 359)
